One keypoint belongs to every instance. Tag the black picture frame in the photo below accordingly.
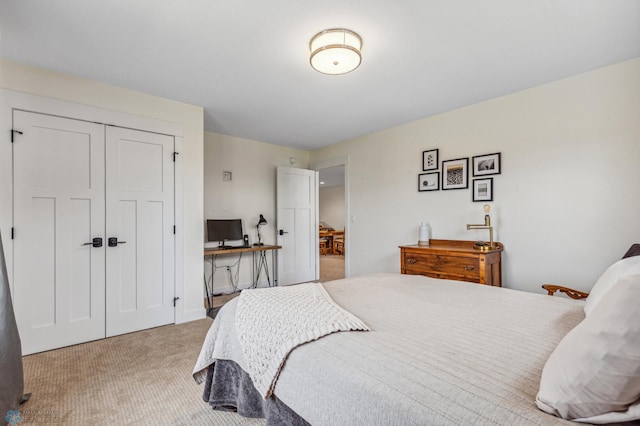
(487, 164)
(430, 160)
(455, 174)
(429, 181)
(482, 190)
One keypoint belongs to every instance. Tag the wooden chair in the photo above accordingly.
(338, 242)
(574, 294)
(323, 246)
(634, 250)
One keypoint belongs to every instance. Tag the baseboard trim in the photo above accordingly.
(195, 315)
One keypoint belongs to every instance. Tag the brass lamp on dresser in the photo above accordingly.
(453, 260)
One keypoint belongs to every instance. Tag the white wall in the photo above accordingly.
(332, 207)
(566, 204)
(27, 79)
(251, 192)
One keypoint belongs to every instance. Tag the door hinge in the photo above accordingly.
(174, 156)
(13, 132)
(175, 299)
(174, 229)
(13, 233)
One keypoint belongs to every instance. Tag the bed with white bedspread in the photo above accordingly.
(439, 352)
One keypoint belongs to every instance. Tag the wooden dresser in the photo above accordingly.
(453, 260)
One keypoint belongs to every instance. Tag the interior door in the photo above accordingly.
(297, 217)
(59, 277)
(139, 230)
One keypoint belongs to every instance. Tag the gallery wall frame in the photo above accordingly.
(455, 174)
(429, 181)
(483, 189)
(487, 164)
(430, 160)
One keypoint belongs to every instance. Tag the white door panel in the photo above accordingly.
(140, 270)
(123, 261)
(80, 301)
(287, 255)
(58, 207)
(297, 201)
(42, 236)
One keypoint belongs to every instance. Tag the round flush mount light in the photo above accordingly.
(335, 51)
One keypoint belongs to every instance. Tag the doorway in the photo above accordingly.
(332, 209)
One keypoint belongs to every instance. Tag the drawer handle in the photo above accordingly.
(411, 261)
(468, 268)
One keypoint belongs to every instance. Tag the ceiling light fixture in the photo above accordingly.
(335, 51)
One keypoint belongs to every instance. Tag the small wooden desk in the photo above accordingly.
(258, 264)
(217, 251)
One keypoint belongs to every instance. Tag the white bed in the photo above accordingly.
(439, 352)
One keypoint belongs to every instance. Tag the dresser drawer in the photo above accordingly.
(442, 266)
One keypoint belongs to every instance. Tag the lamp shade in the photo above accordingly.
(335, 51)
(262, 221)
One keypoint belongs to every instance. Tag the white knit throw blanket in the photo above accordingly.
(271, 322)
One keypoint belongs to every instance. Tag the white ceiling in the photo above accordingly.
(246, 62)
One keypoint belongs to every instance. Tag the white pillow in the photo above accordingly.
(593, 375)
(620, 269)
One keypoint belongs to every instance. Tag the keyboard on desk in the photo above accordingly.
(230, 247)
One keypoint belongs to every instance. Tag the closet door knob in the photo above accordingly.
(113, 242)
(96, 242)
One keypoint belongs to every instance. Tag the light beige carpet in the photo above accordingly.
(331, 268)
(141, 378)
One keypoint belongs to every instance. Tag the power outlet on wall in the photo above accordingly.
(226, 176)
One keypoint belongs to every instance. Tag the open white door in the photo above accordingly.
(297, 217)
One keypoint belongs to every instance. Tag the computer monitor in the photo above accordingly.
(223, 230)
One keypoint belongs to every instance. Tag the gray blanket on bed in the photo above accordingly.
(229, 388)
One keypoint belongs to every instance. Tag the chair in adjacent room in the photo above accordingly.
(338, 243)
(323, 246)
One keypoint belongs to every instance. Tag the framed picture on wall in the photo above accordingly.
(483, 189)
(455, 174)
(488, 164)
(430, 160)
(429, 181)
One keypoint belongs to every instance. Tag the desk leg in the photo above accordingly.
(206, 286)
(262, 265)
(254, 280)
(266, 266)
(274, 266)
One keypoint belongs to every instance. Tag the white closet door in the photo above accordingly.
(140, 203)
(59, 198)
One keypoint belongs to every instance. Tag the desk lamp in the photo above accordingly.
(262, 221)
(486, 225)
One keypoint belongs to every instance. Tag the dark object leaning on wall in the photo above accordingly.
(11, 374)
